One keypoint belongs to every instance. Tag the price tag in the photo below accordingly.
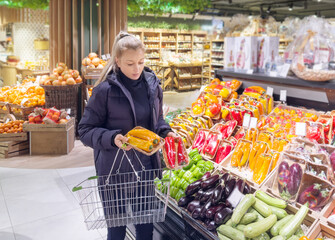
(250, 71)
(300, 129)
(246, 120)
(253, 122)
(317, 66)
(235, 197)
(104, 57)
(284, 70)
(283, 94)
(269, 91)
(68, 111)
(273, 74)
(108, 56)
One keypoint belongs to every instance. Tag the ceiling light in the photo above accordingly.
(290, 7)
(319, 0)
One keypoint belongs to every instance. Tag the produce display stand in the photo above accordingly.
(51, 139)
(321, 230)
(13, 144)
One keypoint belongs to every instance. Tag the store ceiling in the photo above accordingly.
(278, 9)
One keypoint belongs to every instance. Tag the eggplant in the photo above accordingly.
(228, 205)
(210, 182)
(217, 194)
(193, 188)
(204, 209)
(222, 216)
(199, 194)
(196, 213)
(283, 176)
(295, 178)
(225, 177)
(192, 205)
(210, 213)
(205, 176)
(211, 226)
(207, 221)
(207, 195)
(184, 201)
(240, 184)
(246, 189)
(229, 187)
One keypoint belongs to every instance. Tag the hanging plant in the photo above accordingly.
(33, 4)
(158, 7)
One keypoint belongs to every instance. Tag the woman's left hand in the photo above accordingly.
(172, 134)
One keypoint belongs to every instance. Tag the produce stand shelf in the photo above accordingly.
(299, 92)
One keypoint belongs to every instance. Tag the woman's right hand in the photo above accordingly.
(120, 141)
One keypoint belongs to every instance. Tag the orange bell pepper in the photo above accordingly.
(252, 155)
(259, 163)
(262, 173)
(235, 158)
(245, 153)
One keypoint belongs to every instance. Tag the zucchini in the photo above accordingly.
(248, 218)
(229, 223)
(276, 228)
(259, 216)
(263, 236)
(222, 237)
(280, 213)
(278, 238)
(255, 229)
(292, 226)
(275, 202)
(241, 227)
(262, 208)
(294, 237)
(246, 202)
(231, 232)
(299, 232)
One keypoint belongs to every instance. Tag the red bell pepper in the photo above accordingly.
(313, 133)
(230, 128)
(215, 108)
(222, 153)
(211, 144)
(182, 156)
(200, 140)
(237, 116)
(170, 151)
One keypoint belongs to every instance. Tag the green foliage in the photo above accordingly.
(163, 25)
(158, 7)
(33, 4)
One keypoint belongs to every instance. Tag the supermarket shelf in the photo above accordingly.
(197, 76)
(169, 41)
(213, 50)
(151, 41)
(219, 41)
(217, 57)
(217, 64)
(152, 48)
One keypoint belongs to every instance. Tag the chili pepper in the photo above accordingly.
(145, 134)
(211, 144)
(182, 155)
(170, 151)
(219, 154)
(199, 141)
(140, 143)
(264, 169)
(189, 166)
(230, 128)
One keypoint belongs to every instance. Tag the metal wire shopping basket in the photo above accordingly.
(123, 198)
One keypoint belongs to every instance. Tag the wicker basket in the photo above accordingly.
(21, 112)
(62, 97)
(314, 75)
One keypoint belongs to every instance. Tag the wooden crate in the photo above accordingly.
(6, 137)
(321, 230)
(326, 212)
(13, 148)
(51, 139)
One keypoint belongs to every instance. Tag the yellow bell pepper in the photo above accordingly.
(252, 155)
(275, 157)
(235, 158)
(197, 109)
(262, 173)
(245, 152)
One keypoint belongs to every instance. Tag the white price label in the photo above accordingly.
(253, 122)
(317, 66)
(235, 197)
(300, 129)
(284, 70)
(283, 94)
(108, 56)
(104, 57)
(273, 74)
(250, 71)
(246, 120)
(68, 111)
(269, 91)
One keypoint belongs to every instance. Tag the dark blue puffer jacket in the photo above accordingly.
(110, 110)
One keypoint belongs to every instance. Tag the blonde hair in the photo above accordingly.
(122, 42)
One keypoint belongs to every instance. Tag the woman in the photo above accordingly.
(126, 95)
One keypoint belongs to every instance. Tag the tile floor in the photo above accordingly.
(36, 201)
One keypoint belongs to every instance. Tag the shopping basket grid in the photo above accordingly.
(120, 199)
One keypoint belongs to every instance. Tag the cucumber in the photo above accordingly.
(259, 216)
(299, 232)
(278, 238)
(246, 202)
(231, 232)
(255, 229)
(292, 226)
(222, 237)
(248, 218)
(275, 202)
(241, 227)
(263, 236)
(276, 228)
(229, 223)
(294, 237)
(280, 213)
(262, 208)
